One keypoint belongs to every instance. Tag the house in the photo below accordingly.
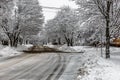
(115, 42)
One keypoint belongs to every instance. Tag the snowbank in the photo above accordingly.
(8, 51)
(66, 48)
(79, 48)
(28, 45)
(20, 48)
(50, 45)
(94, 67)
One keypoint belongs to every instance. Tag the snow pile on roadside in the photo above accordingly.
(50, 45)
(94, 67)
(79, 48)
(66, 48)
(23, 47)
(8, 51)
(28, 45)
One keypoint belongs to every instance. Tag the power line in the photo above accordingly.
(55, 8)
(50, 11)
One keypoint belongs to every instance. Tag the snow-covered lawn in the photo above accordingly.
(94, 67)
(6, 51)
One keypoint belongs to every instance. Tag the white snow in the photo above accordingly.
(79, 48)
(71, 70)
(66, 48)
(50, 45)
(28, 45)
(94, 67)
(6, 51)
(91, 66)
(20, 48)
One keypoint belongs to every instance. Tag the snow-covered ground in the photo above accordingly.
(94, 67)
(6, 51)
(88, 65)
(66, 48)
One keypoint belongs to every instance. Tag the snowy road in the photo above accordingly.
(46, 66)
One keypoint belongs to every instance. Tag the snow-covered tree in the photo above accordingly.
(64, 24)
(108, 10)
(5, 17)
(52, 30)
(30, 16)
(22, 18)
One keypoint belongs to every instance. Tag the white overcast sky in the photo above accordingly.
(48, 13)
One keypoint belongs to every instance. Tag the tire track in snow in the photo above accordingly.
(28, 70)
(20, 70)
(58, 70)
(36, 69)
(11, 64)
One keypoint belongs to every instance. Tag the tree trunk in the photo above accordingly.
(67, 40)
(13, 41)
(107, 30)
(107, 41)
(59, 41)
(71, 42)
(72, 39)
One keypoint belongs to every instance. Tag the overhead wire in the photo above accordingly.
(54, 8)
